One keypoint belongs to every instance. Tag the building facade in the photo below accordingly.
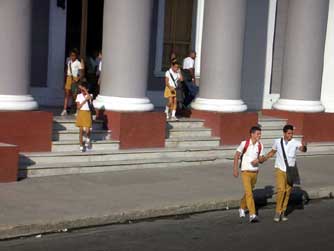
(252, 54)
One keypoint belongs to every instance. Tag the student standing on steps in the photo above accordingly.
(173, 78)
(84, 117)
(285, 168)
(250, 153)
(73, 74)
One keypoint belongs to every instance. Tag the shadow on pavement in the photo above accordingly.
(298, 198)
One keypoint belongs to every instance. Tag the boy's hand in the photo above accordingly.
(255, 162)
(235, 172)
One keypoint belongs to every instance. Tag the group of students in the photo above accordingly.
(77, 89)
(180, 86)
(251, 154)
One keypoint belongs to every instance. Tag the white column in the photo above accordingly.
(304, 56)
(126, 48)
(15, 30)
(327, 90)
(222, 56)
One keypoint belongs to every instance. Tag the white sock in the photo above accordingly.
(173, 113)
(166, 109)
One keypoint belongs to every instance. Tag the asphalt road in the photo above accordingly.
(309, 228)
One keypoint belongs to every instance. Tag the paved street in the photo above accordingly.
(52, 203)
(308, 229)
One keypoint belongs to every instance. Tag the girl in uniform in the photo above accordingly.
(172, 78)
(73, 72)
(84, 117)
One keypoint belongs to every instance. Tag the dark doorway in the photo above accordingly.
(84, 26)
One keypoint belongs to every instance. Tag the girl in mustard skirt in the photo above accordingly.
(172, 78)
(84, 117)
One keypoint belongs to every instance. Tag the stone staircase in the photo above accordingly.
(188, 144)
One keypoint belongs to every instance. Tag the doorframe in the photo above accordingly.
(196, 35)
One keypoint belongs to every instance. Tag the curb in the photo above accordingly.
(12, 232)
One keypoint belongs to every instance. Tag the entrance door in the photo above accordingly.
(84, 26)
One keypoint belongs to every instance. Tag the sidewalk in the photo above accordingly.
(49, 204)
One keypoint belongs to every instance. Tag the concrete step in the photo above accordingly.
(71, 146)
(188, 132)
(274, 133)
(29, 159)
(108, 166)
(70, 126)
(185, 123)
(321, 147)
(265, 121)
(68, 123)
(193, 142)
(72, 135)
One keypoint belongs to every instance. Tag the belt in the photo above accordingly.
(246, 171)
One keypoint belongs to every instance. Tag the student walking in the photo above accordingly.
(172, 80)
(249, 152)
(73, 73)
(285, 168)
(191, 89)
(84, 117)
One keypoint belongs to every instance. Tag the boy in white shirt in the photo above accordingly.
(250, 153)
(189, 78)
(290, 146)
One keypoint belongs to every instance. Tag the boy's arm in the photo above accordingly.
(269, 155)
(236, 164)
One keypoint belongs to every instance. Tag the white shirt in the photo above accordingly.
(175, 75)
(188, 63)
(80, 99)
(100, 66)
(251, 154)
(290, 148)
(76, 66)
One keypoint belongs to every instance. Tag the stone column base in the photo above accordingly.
(17, 103)
(315, 127)
(9, 155)
(123, 104)
(136, 129)
(232, 128)
(292, 105)
(31, 131)
(219, 105)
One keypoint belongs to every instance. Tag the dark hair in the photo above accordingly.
(287, 128)
(254, 129)
(84, 84)
(75, 51)
(174, 62)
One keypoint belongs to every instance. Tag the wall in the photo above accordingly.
(39, 42)
(281, 22)
(255, 45)
(52, 94)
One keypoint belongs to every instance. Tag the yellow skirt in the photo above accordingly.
(168, 93)
(68, 83)
(84, 119)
